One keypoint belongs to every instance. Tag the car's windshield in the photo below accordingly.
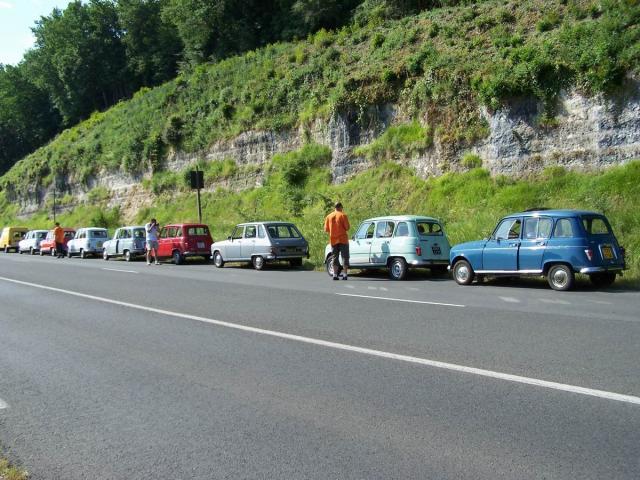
(42, 235)
(508, 228)
(596, 226)
(97, 234)
(283, 231)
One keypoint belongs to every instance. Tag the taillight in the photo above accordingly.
(589, 253)
(419, 251)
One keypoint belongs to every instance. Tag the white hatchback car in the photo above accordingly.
(31, 241)
(88, 241)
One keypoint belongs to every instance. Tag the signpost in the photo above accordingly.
(197, 182)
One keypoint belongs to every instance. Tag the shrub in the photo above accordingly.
(471, 160)
(173, 131)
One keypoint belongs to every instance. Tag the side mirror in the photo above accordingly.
(229, 237)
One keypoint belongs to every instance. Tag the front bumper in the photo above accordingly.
(428, 263)
(202, 253)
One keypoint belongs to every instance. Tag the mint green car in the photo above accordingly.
(397, 243)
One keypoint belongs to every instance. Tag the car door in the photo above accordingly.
(248, 245)
(500, 253)
(535, 235)
(164, 242)
(379, 252)
(360, 246)
(235, 243)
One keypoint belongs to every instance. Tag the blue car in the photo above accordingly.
(556, 244)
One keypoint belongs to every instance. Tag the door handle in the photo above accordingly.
(514, 244)
(368, 243)
(541, 243)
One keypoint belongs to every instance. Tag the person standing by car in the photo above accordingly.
(151, 230)
(58, 235)
(336, 224)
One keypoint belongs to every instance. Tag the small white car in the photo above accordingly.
(31, 241)
(88, 241)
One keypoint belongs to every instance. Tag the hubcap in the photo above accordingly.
(396, 269)
(258, 261)
(560, 278)
(462, 273)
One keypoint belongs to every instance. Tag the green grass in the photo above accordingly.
(9, 472)
(298, 188)
(440, 65)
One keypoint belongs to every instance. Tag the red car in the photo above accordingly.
(182, 240)
(48, 245)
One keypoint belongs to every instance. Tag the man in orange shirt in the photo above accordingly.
(58, 234)
(336, 224)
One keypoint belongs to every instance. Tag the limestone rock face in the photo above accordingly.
(587, 133)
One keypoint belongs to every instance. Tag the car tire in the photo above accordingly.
(19, 251)
(127, 255)
(177, 258)
(53, 252)
(32, 251)
(602, 279)
(105, 255)
(41, 253)
(218, 261)
(398, 268)
(463, 273)
(69, 254)
(561, 277)
(295, 262)
(258, 262)
(82, 254)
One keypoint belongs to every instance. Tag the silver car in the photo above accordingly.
(31, 241)
(261, 242)
(127, 242)
(88, 241)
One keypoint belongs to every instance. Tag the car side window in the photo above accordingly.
(508, 229)
(402, 230)
(261, 233)
(250, 231)
(178, 232)
(544, 227)
(384, 229)
(564, 228)
(237, 233)
(164, 233)
(365, 231)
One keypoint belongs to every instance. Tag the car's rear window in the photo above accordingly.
(283, 231)
(197, 231)
(428, 228)
(595, 226)
(97, 234)
(139, 233)
(67, 234)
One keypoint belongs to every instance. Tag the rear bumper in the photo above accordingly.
(200, 253)
(588, 270)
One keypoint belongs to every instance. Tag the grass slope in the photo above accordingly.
(441, 65)
(297, 188)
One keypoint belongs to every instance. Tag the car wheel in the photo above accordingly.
(53, 252)
(127, 256)
(258, 262)
(561, 277)
(329, 266)
(177, 258)
(19, 251)
(105, 255)
(295, 262)
(69, 255)
(602, 279)
(41, 253)
(32, 251)
(82, 254)
(463, 273)
(398, 268)
(218, 261)
(6, 249)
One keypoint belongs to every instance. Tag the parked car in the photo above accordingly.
(87, 241)
(31, 241)
(261, 242)
(48, 245)
(182, 240)
(397, 243)
(556, 244)
(127, 242)
(10, 238)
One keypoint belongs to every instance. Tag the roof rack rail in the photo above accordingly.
(536, 209)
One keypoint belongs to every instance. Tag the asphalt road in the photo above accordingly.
(122, 370)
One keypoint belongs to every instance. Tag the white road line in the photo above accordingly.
(3, 404)
(350, 286)
(351, 348)
(118, 270)
(400, 300)
(555, 301)
(384, 289)
(509, 299)
(372, 288)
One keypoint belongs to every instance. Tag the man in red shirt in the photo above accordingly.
(336, 224)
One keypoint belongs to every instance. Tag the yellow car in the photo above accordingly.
(10, 238)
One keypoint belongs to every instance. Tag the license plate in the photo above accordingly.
(200, 244)
(607, 253)
(436, 250)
